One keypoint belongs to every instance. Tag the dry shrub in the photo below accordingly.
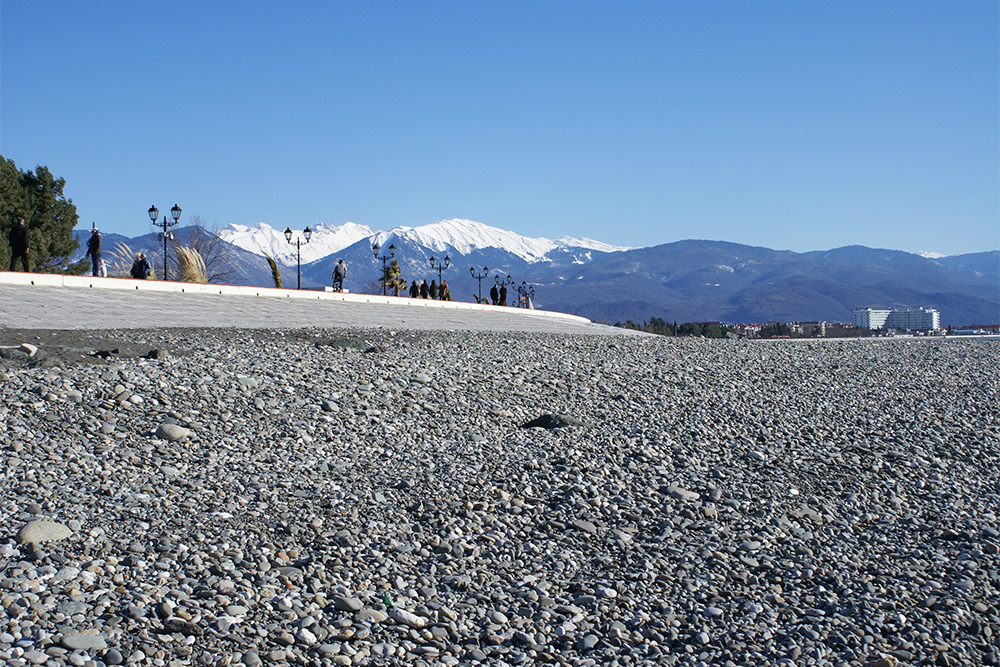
(191, 264)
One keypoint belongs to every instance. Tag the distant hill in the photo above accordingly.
(690, 280)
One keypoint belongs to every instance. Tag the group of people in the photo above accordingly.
(422, 290)
(140, 267)
(499, 296)
(19, 246)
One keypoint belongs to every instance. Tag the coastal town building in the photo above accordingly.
(914, 319)
(907, 319)
(809, 328)
(870, 318)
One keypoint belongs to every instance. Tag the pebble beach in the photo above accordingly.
(377, 497)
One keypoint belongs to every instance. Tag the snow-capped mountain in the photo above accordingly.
(262, 239)
(462, 236)
(928, 254)
(588, 244)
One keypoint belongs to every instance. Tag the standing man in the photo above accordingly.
(494, 295)
(94, 250)
(503, 295)
(339, 273)
(18, 239)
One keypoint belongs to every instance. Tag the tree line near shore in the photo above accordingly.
(659, 326)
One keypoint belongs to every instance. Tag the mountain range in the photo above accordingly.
(690, 280)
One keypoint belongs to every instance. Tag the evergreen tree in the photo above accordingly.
(38, 198)
(392, 278)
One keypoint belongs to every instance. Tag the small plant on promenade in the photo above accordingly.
(275, 273)
(119, 261)
(393, 278)
(191, 264)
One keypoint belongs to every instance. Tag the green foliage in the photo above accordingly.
(689, 329)
(776, 330)
(657, 325)
(38, 198)
(275, 273)
(392, 278)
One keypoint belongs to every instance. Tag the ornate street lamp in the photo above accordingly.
(307, 234)
(175, 213)
(479, 277)
(440, 266)
(525, 294)
(392, 253)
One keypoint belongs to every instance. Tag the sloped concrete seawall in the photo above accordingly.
(46, 301)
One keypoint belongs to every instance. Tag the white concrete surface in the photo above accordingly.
(43, 301)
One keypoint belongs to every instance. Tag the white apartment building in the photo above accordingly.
(870, 318)
(908, 319)
(914, 319)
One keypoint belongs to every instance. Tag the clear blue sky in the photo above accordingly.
(792, 125)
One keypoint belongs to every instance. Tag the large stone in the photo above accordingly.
(172, 432)
(84, 641)
(42, 530)
(409, 619)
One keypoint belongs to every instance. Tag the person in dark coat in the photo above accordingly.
(94, 250)
(424, 290)
(18, 239)
(494, 295)
(433, 290)
(414, 290)
(503, 295)
(140, 267)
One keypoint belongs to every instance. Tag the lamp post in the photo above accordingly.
(440, 266)
(392, 253)
(307, 234)
(175, 213)
(525, 293)
(479, 277)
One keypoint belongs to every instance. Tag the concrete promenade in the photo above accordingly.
(45, 301)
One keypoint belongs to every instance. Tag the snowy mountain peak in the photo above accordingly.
(464, 236)
(263, 239)
(931, 255)
(589, 244)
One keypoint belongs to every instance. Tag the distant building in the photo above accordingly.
(908, 319)
(870, 318)
(914, 319)
(809, 328)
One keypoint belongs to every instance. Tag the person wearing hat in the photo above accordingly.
(94, 250)
(140, 267)
(18, 239)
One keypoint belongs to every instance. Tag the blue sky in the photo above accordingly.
(791, 125)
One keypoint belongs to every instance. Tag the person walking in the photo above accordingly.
(445, 293)
(339, 273)
(424, 290)
(414, 290)
(494, 295)
(18, 239)
(140, 267)
(433, 290)
(94, 250)
(503, 294)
